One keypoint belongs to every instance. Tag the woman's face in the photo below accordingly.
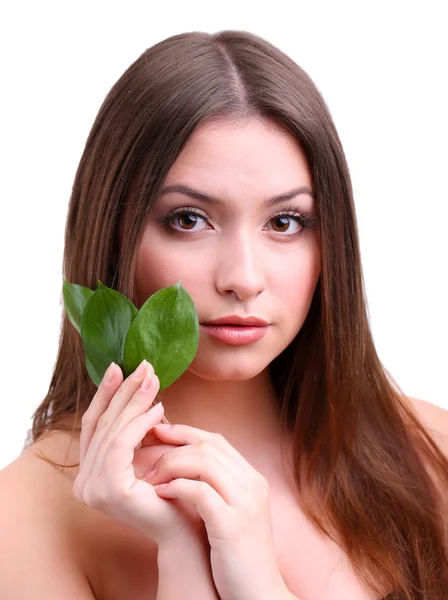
(233, 255)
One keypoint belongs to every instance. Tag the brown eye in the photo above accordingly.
(282, 223)
(189, 219)
(183, 220)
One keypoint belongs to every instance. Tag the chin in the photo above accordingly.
(231, 369)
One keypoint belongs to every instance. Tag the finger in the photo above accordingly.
(209, 504)
(124, 394)
(150, 438)
(185, 434)
(216, 470)
(120, 453)
(140, 402)
(107, 419)
(230, 456)
(98, 405)
(195, 453)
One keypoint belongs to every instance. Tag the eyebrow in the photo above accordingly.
(188, 191)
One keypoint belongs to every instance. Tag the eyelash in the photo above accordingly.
(305, 218)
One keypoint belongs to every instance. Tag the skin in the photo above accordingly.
(238, 259)
(236, 264)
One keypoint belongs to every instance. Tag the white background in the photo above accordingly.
(382, 69)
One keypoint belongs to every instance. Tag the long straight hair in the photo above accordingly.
(368, 473)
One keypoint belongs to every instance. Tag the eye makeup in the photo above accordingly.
(305, 218)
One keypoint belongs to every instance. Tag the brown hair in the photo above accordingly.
(367, 455)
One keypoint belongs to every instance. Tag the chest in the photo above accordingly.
(312, 565)
(124, 565)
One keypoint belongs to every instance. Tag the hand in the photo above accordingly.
(233, 500)
(116, 421)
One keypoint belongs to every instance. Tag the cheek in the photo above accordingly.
(161, 265)
(293, 287)
(151, 274)
(294, 278)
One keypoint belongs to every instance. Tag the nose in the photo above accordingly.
(240, 270)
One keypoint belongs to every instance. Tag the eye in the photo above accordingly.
(282, 223)
(186, 218)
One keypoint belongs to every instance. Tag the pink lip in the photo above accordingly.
(237, 320)
(235, 335)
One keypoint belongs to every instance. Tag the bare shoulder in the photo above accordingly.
(56, 536)
(435, 420)
(38, 557)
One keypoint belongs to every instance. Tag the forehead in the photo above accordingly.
(227, 155)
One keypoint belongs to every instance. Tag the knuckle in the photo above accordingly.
(103, 422)
(78, 490)
(86, 418)
(202, 493)
(210, 461)
(160, 462)
(219, 441)
(95, 497)
(205, 447)
(88, 496)
(223, 479)
(116, 442)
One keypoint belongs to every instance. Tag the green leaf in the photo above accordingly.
(75, 299)
(166, 333)
(105, 323)
(95, 375)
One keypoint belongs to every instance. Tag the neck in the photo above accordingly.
(245, 412)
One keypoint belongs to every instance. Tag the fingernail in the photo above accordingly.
(109, 374)
(147, 477)
(160, 487)
(140, 372)
(163, 426)
(146, 383)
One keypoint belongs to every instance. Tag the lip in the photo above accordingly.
(235, 335)
(237, 320)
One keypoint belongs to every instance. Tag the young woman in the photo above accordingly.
(296, 467)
